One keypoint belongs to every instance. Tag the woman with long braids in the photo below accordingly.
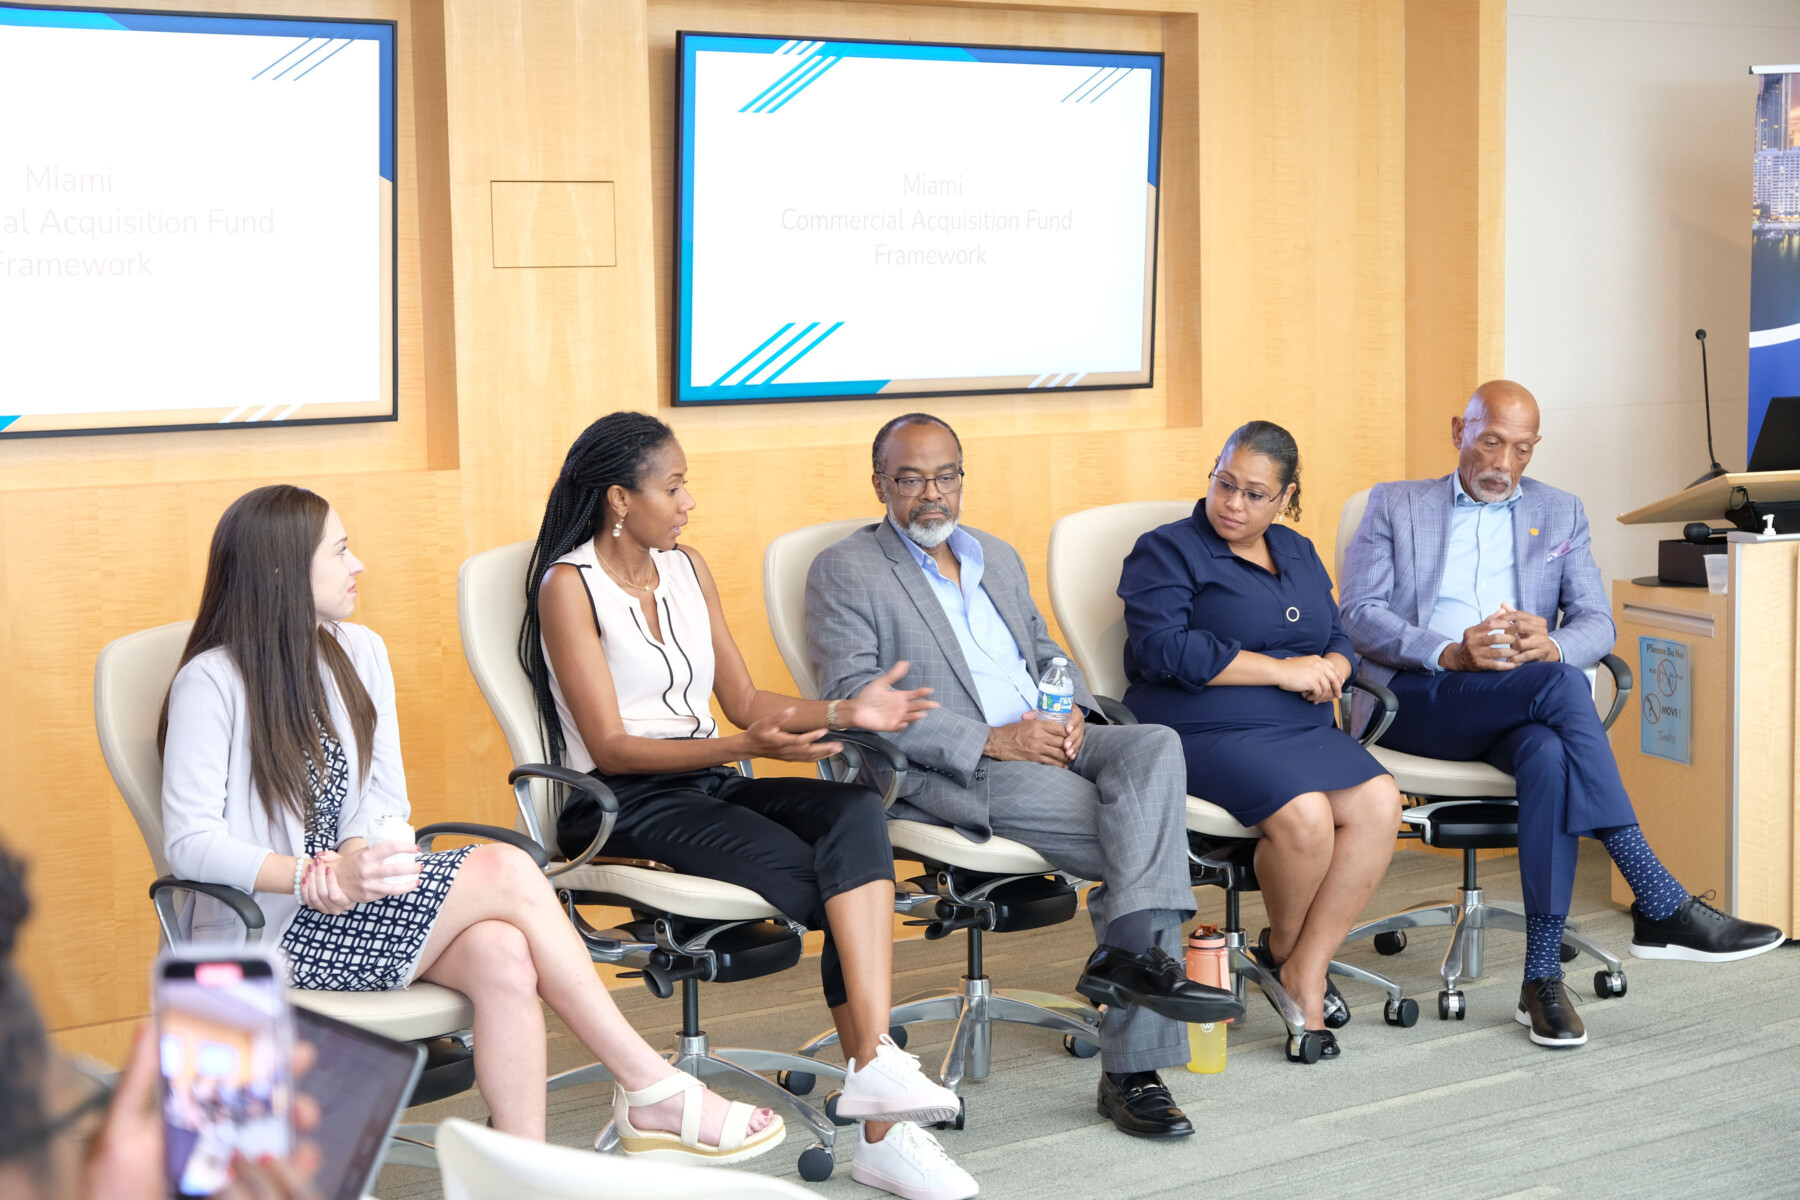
(280, 751)
(625, 641)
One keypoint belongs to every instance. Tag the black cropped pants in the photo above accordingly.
(795, 842)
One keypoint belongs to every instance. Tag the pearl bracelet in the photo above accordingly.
(299, 871)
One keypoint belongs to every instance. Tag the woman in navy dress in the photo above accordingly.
(1233, 641)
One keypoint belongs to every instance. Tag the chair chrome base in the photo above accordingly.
(1245, 969)
(1469, 917)
(975, 1009)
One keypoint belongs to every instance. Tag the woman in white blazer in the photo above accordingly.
(280, 751)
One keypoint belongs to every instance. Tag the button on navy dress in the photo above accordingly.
(1190, 606)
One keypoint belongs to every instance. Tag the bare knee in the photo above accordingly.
(1304, 825)
(1374, 804)
(502, 870)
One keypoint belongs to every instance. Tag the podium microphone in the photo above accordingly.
(1715, 470)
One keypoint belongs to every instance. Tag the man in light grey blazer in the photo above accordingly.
(1476, 598)
(1102, 802)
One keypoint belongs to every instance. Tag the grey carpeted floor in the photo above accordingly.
(1689, 1086)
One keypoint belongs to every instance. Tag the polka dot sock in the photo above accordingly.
(1543, 946)
(1658, 895)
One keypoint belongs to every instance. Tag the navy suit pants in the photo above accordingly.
(1538, 724)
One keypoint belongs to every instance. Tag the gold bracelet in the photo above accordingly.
(831, 717)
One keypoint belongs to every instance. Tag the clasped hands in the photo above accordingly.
(1318, 678)
(336, 881)
(1508, 639)
(1032, 738)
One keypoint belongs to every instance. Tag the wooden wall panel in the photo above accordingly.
(1282, 257)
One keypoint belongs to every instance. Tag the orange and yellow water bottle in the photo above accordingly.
(1206, 963)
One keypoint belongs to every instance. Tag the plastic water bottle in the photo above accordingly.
(1056, 693)
(1206, 964)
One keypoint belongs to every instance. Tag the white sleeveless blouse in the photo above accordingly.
(663, 686)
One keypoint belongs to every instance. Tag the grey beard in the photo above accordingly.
(930, 537)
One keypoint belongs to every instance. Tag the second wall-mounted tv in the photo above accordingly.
(863, 219)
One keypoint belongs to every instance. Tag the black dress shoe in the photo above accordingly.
(1545, 1007)
(1337, 1009)
(1154, 981)
(1698, 932)
(1141, 1106)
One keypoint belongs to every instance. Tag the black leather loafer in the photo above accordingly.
(1141, 1106)
(1698, 932)
(1546, 1009)
(1156, 982)
(1337, 1009)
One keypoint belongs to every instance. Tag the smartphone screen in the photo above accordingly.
(225, 1036)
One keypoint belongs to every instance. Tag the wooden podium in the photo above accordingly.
(1725, 819)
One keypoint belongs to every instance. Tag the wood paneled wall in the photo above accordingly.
(1282, 294)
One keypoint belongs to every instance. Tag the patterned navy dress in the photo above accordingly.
(374, 947)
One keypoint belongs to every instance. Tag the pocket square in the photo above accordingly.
(1559, 551)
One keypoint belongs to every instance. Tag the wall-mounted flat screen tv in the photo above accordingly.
(196, 221)
(863, 219)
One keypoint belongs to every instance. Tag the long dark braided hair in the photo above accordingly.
(613, 450)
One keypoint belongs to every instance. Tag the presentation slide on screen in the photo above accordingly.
(863, 218)
(196, 221)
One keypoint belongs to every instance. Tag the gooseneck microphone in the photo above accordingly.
(1715, 470)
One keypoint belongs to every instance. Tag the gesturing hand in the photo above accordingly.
(767, 739)
(1313, 677)
(1028, 740)
(880, 708)
(1531, 640)
(1484, 647)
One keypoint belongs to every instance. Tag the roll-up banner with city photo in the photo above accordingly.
(1775, 240)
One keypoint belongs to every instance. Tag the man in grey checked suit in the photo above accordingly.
(1476, 598)
(1102, 802)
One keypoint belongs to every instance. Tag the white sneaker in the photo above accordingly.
(909, 1163)
(893, 1088)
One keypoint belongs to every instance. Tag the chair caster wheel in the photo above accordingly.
(962, 1111)
(1389, 944)
(1078, 1047)
(1403, 1012)
(797, 1083)
(1608, 984)
(831, 1105)
(1451, 1004)
(816, 1163)
(1569, 953)
(898, 1034)
(1305, 1047)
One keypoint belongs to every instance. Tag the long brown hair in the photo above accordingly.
(258, 605)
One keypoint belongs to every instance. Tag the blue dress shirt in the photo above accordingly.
(1002, 679)
(1480, 572)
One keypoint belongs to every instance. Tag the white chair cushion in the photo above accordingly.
(940, 843)
(1438, 777)
(411, 1014)
(1203, 816)
(665, 891)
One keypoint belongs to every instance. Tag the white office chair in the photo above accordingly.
(686, 928)
(131, 679)
(1474, 806)
(483, 1164)
(1087, 553)
(993, 886)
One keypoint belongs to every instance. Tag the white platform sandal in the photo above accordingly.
(736, 1143)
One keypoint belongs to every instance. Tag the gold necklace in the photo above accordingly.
(601, 558)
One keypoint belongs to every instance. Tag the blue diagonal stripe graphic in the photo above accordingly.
(279, 61)
(829, 64)
(785, 347)
(814, 68)
(1082, 84)
(790, 362)
(752, 354)
(1109, 87)
(301, 59)
(321, 62)
(792, 71)
(1104, 76)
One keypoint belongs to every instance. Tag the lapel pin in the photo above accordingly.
(1534, 533)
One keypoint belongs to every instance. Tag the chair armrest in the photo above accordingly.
(583, 783)
(1114, 711)
(492, 833)
(1622, 682)
(242, 905)
(1390, 706)
(876, 744)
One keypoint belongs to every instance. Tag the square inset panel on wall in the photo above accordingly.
(553, 223)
